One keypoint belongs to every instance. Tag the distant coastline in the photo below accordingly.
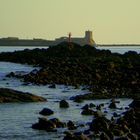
(13, 41)
(117, 45)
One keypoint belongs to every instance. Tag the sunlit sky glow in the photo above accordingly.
(112, 21)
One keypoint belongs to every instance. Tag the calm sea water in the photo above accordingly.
(113, 49)
(16, 119)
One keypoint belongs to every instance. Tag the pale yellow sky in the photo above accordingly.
(112, 21)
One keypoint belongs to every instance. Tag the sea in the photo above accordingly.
(16, 119)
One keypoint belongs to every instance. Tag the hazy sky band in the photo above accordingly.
(112, 21)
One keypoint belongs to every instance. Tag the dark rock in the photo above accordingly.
(115, 114)
(48, 125)
(63, 104)
(104, 136)
(135, 103)
(98, 107)
(10, 95)
(105, 111)
(132, 136)
(75, 137)
(87, 112)
(87, 132)
(78, 100)
(71, 125)
(52, 86)
(117, 132)
(46, 111)
(58, 123)
(112, 105)
(44, 124)
(91, 105)
(11, 74)
(98, 114)
(99, 124)
(85, 107)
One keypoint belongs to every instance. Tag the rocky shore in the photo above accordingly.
(105, 74)
(125, 126)
(10, 95)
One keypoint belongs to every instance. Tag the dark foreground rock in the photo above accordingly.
(46, 111)
(48, 125)
(63, 104)
(10, 95)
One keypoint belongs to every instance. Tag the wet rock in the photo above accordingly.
(44, 124)
(48, 125)
(135, 103)
(75, 137)
(58, 123)
(104, 136)
(85, 107)
(98, 114)
(116, 115)
(118, 132)
(98, 107)
(63, 104)
(71, 125)
(112, 105)
(87, 112)
(78, 100)
(11, 74)
(52, 86)
(99, 124)
(46, 111)
(91, 105)
(132, 136)
(10, 95)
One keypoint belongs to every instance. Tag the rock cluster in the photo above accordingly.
(107, 75)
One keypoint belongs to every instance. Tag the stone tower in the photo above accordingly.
(89, 38)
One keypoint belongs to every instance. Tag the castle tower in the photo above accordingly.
(89, 38)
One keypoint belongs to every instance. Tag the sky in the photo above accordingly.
(112, 21)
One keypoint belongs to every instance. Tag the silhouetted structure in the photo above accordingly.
(14, 41)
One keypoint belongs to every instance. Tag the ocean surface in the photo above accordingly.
(16, 119)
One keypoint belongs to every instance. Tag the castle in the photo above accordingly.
(14, 41)
(86, 40)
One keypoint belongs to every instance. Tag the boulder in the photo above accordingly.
(91, 105)
(52, 86)
(87, 112)
(11, 74)
(85, 107)
(10, 95)
(63, 104)
(71, 125)
(112, 105)
(58, 123)
(46, 111)
(135, 103)
(48, 125)
(70, 136)
(44, 124)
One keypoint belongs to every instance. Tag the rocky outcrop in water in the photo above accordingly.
(10, 95)
(107, 75)
(46, 111)
(63, 104)
(48, 125)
